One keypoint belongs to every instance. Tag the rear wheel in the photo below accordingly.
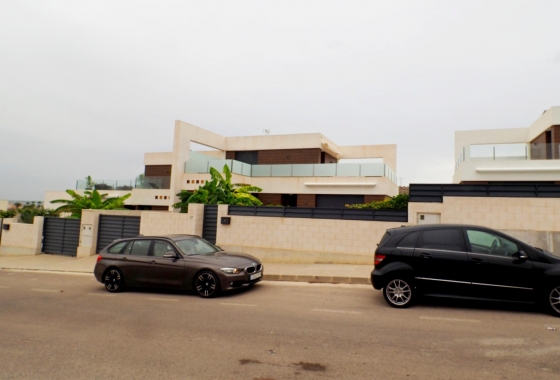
(398, 292)
(554, 300)
(207, 284)
(113, 280)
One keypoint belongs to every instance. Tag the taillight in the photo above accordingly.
(378, 258)
(99, 257)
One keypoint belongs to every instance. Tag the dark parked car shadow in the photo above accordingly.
(228, 294)
(490, 305)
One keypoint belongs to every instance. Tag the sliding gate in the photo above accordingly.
(61, 236)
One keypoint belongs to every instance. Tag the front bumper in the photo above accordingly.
(236, 281)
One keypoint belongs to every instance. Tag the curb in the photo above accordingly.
(266, 277)
(317, 279)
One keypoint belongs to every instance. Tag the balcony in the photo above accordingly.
(125, 185)
(508, 152)
(293, 170)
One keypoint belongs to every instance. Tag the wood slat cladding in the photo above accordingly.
(290, 156)
(157, 171)
(374, 197)
(270, 199)
(306, 200)
(556, 135)
(230, 155)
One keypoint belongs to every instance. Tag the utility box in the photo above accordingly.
(427, 218)
(85, 235)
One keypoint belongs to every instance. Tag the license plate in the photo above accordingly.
(255, 276)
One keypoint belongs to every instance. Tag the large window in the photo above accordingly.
(443, 239)
(491, 244)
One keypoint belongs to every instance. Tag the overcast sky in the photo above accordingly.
(86, 87)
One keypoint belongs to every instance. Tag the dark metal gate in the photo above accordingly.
(112, 227)
(210, 225)
(61, 236)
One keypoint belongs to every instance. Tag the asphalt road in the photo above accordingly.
(57, 326)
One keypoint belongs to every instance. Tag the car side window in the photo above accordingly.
(117, 248)
(161, 248)
(449, 239)
(409, 241)
(491, 244)
(138, 248)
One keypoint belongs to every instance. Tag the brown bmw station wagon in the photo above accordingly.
(177, 262)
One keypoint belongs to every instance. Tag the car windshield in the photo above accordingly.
(195, 246)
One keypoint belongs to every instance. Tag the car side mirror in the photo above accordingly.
(520, 255)
(170, 255)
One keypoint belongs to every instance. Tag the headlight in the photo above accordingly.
(231, 270)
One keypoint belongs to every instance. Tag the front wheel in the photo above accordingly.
(398, 292)
(554, 300)
(113, 280)
(207, 284)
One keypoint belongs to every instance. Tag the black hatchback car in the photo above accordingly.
(175, 261)
(466, 261)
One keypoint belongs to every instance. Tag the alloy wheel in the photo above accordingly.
(554, 299)
(113, 281)
(206, 284)
(398, 292)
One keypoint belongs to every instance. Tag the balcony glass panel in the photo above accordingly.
(302, 170)
(511, 152)
(348, 170)
(246, 169)
(324, 170)
(482, 152)
(196, 167)
(219, 164)
(281, 171)
(237, 167)
(372, 170)
(261, 170)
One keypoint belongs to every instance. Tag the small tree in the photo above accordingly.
(220, 190)
(90, 200)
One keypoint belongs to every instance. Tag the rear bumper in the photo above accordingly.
(377, 279)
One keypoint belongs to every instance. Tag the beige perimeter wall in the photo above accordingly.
(22, 238)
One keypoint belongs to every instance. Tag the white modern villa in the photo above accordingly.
(296, 170)
(529, 154)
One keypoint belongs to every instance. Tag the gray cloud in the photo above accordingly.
(88, 87)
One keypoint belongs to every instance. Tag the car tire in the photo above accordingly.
(113, 280)
(207, 284)
(399, 292)
(553, 300)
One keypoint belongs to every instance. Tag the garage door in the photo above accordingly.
(61, 236)
(337, 201)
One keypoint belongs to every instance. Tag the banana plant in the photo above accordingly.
(90, 200)
(220, 190)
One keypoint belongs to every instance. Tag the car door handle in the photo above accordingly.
(153, 261)
(477, 261)
(124, 258)
(425, 255)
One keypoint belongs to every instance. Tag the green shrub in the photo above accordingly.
(398, 202)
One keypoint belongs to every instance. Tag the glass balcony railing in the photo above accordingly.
(294, 170)
(125, 185)
(495, 152)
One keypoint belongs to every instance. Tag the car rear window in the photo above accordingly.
(117, 248)
(384, 239)
(409, 241)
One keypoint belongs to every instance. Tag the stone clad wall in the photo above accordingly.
(302, 240)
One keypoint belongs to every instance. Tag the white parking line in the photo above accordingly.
(237, 304)
(337, 311)
(47, 290)
(162, 299)
(450, 319)
(101, 294)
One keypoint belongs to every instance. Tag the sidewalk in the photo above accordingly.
(315, 273)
